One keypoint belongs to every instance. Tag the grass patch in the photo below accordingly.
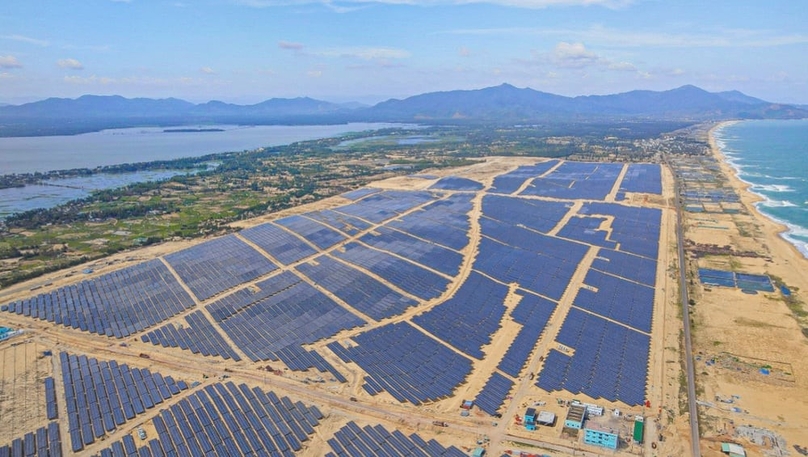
(753, 323)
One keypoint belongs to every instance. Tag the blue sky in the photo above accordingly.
(246, 51)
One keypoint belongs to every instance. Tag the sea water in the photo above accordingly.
(772, 157)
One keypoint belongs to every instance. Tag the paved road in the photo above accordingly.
(688, 355)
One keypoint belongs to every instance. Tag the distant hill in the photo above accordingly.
(504, 103)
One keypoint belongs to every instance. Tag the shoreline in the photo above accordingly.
(749, 198)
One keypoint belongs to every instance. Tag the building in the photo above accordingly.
(601, 436)
(734, 450)
(575, 417)
(639, 429)
(546, 418)
(530, 419)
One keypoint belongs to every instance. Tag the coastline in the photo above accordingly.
(749, 198)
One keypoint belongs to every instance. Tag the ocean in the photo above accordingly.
(772, 156)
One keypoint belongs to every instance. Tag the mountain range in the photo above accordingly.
(500, 104)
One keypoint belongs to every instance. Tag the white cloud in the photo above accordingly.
(290, 45)
(71, 64)
(25, 39)
(574, 55)
(207, 71)
(9, 62)
(365, 53)
(314, 73)
(609, 37)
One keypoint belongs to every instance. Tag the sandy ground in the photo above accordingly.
(334, 398)
(757, 330)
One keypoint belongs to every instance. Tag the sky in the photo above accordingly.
(247, 51)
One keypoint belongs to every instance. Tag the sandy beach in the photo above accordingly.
(737, 334)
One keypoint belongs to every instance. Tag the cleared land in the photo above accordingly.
(511, 282)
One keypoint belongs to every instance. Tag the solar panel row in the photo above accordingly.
(511, 182)
(279, 243)
(50, 399)
(538, 263)
(360, 291)
(217, 265)
(457, 183)
(116, 304)
(385, 205)
(407, 364)
(635, 229)
(539, 215)
(295, 314)
(45, 441)
(101, 396)
(428, 254)
(624, 301)
(199, 337)
(344, 223)
(635, 268)
(353, 441)
(610, 361)
(576, 180)
(227, 420)
(314, 232)
(470, 317)
(533, 313)
(586, 229)
(299, 359)
(405, 275)
(444, 222)
(643, 177)
(492, 397)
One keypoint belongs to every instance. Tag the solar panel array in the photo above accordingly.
(101, 396)
(538, 263)
(470, 317)
(634, 268)
(314, 232)
(457, 183)
(117, 304)
(510, 182)
(286, 312)
(343, 223)
(610, 361)
(299, 359)
(533, 313)
(45, 441)
(362, 292)
(587, 230)
(283, 246)
(50, 399)
(444, 222)
(199, 337)
(407, 276)
(493, 395)
(404, 362)
(635, 229)
(227, 420)
(217, 265)
(624, 301)
(576, 180)
(642, 177)
(359, 193)
(353, 441)
(731, 279)
(538, 215)
(385, 205)
(422, 252)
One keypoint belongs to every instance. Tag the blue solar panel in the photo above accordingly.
(457, 183)
(282, 245)
(424, 253)
(618, 299)
(406, 363)
(643, 178)
(493, 394)
(199, 337)
(511, 182)
(628, 266)
(358, 290)
(217, 265)
(314, 232)
(470, 317)
(116, 304)
(539, 215)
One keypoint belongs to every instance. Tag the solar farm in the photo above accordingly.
(360, 326)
